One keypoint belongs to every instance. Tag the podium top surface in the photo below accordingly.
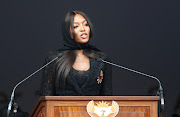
(56, 98)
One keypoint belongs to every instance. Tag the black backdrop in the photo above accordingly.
(143, 35)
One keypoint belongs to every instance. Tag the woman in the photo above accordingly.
(77, 72)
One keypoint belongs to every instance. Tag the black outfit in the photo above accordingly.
(78, 82)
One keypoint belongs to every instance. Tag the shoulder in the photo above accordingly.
(105, 56)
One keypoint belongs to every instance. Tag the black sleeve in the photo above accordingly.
(106, 88)
(48, 77)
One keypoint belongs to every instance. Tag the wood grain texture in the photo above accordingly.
(71, 111)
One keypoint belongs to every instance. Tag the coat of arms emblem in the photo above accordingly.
(102, 109)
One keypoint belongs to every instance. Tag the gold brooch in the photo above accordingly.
(99, 80)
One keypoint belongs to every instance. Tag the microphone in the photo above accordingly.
(159, 92)
(12, 94)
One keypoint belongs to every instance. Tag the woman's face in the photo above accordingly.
(81, 29)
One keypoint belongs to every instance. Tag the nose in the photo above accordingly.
(82, 28)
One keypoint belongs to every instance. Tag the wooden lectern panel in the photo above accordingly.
(75, 106)
(134, 111)
(70, 111)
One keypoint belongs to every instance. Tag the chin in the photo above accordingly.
(83, 41)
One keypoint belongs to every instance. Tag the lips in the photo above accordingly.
(84, 35)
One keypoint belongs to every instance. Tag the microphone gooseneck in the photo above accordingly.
(160, 91)
(12, 94)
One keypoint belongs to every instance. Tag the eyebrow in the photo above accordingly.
(78, 22)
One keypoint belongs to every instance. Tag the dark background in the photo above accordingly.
(143, 35)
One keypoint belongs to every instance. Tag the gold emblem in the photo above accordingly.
(102, 109)
(100, 77)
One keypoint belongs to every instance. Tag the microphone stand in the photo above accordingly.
(12, 95)
(159, 92)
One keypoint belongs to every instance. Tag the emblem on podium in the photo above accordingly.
(102, 109)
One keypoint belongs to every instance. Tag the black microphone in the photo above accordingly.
(160, 91)
(12, 94)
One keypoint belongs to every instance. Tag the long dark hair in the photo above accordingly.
(64, 64)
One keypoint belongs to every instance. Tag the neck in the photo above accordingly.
(79, 52)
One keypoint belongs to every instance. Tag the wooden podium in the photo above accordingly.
(75, 106)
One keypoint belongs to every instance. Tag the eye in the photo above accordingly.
(75, 26)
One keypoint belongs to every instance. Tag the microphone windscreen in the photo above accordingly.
(99, 59)
(59, 55)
